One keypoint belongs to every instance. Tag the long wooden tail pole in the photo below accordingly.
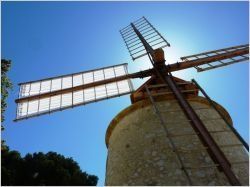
(213, 149)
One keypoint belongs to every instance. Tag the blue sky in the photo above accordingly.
(45, 39)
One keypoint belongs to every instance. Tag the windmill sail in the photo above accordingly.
(58, 93)
(148, 32)
(219, 58)
(212, 59)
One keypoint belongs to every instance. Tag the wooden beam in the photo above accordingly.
(140, 74)
(206, 60)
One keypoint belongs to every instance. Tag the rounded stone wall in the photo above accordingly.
(140, 153)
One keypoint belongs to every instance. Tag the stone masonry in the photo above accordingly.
(139, 152)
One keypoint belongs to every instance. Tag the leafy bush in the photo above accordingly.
(42, 169)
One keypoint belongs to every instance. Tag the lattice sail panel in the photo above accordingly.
(218, 63)
(150, 34)
(60, 101)
(67, 81)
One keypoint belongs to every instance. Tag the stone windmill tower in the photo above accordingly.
(169, 135)
(151, 142)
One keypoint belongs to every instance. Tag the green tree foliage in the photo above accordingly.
(43, 169)
(5, 85)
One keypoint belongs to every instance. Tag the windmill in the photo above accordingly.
(142, 39)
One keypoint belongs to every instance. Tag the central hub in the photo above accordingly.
(158, 56)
